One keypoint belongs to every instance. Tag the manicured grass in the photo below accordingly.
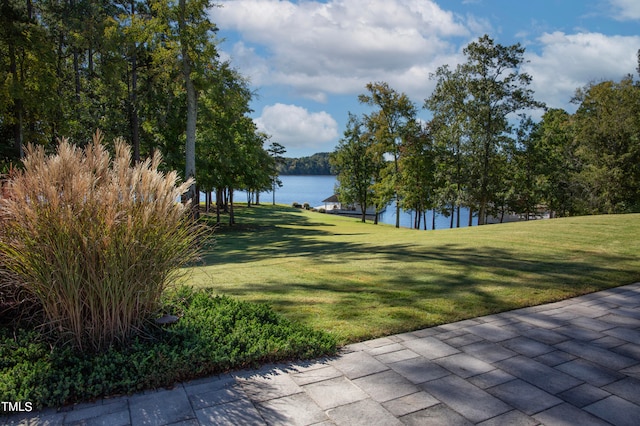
(360, 281)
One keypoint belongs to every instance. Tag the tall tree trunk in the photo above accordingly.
(133, 97)
(453, 212)
(192, 110)
(218, 203)
(18, 134)
(232, 218)
(433, 219)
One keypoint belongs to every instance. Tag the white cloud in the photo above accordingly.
(570, 61)
(626, 10)
(295, 127)
(339, 46)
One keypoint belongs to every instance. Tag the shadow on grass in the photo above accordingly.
(401, 286)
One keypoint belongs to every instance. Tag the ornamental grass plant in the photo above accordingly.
(94, 239)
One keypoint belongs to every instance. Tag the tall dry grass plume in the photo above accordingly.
(95, 239)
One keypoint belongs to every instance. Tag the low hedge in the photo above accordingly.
(214, 334)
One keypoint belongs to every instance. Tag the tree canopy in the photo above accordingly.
(481, 149)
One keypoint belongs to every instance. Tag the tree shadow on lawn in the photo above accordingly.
(421, 285)
(415, 287)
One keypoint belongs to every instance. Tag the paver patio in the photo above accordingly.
(570, 362)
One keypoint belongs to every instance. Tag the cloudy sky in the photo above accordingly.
(309, 60)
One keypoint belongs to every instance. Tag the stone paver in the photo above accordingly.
(572, 362)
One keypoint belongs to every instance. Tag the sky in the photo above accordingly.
(308, 61)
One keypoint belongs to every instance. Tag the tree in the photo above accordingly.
(449, 128)
(607, 126)
(559, 165)
(188, 36)
(417, 172)
(357, 164)
(276, 151)
(493, 88)
(389, 125)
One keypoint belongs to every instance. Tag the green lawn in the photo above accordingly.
(360, 281)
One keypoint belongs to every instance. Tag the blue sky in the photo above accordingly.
(309, 60)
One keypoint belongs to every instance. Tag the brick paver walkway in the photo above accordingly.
(575, 362)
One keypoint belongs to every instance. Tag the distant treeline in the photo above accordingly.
(317, 164)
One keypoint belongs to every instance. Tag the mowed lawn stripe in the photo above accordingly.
(361, 281)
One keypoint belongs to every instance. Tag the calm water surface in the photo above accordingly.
(314, 189)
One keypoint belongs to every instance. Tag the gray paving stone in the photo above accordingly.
(627, 388)
(464, 365)
(358, 364)
(296, 409)
(488, 352)
(608, 342)
(240, 412)
(621, 300)
(262, 386)
(430, 347)
(600, 356)
(118, 418)
(540, 375)
(554, 358)
(213, 392)
(629, 350)
(567, 415)
(624, 333)
(592, 323)
(391, 357)
(425, 332)
(580, 333)
(620, 320)
(450, 334)
(457, 393)
(583, 395)
(45, 417)
(587, 310)
(490, 379)
(410, 403)
(381, 341)
(512, 418)
(525, 397)
(491, 332)
(362, 413)
(632, 371)
(628, 312)
(385, 386)
(435, 416)
(379, 350)
(91, 411)
(160, 408)
(616, 410)
(542, 335)
(527, 346)
(594, 374)
(190, 422)
(316, 375)
(334, 392)
(463, 340)
(543, 321)
(419, 370)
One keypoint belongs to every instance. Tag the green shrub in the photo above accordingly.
(214, 334)
(94, 239)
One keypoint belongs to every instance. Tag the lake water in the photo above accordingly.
(314, 189)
